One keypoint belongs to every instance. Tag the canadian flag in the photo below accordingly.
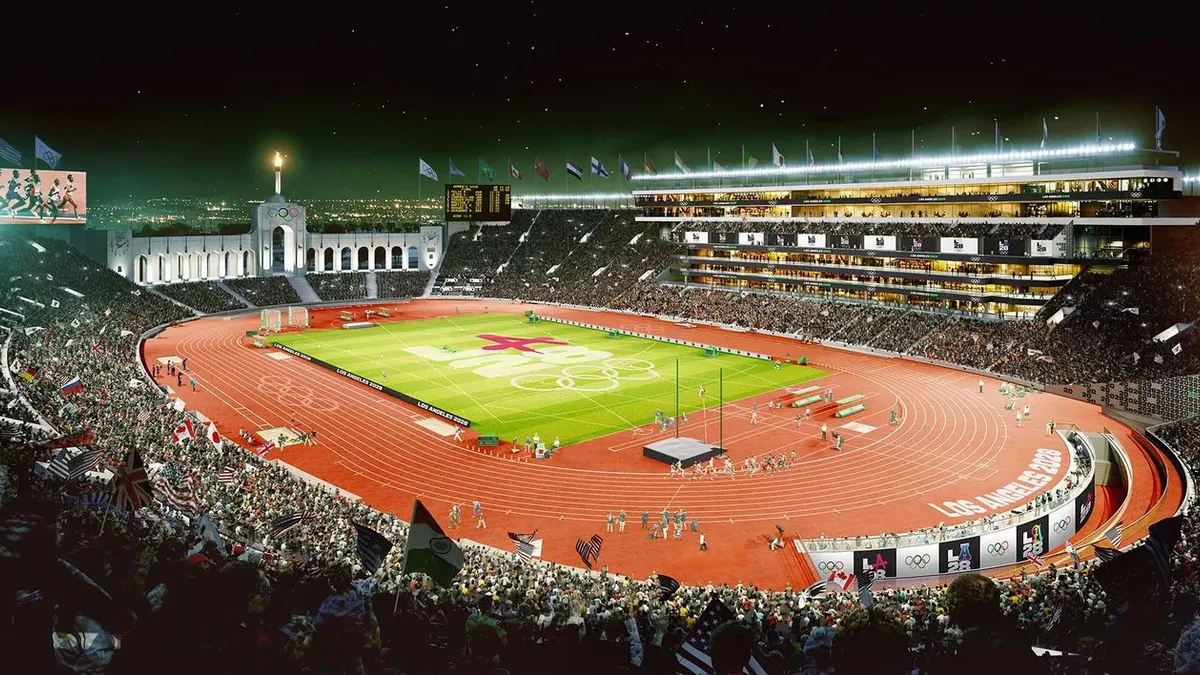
(184, 431)
(213, 436)
(841, 580)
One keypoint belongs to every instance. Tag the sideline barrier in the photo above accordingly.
(846, 412)
(358, 324)
(806, 390)
(457, 419)
(809, 400)
(849, 399)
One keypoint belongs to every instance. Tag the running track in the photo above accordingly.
(952, 443)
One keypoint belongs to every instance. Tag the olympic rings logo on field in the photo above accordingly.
(289, 393)
(589, 378)
(917, 562)
(830, 566)
(997, 548)
(1062, 524)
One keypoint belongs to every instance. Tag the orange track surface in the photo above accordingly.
(952, 443)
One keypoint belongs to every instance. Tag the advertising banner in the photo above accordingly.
(881, 561)
(828, 562)
(781, 239)
(919, 244)
(1032, 538)
(1062, 524)
(43, 196)
(1012, 246)
(1042, 248)
(810, 241)
(958, 555)
(962, 245)
(723, 238)
(1084, 502)
(998, 548)
(916, 561)
(875, 242)
(846, 241)
(751, 239)
(696, 238)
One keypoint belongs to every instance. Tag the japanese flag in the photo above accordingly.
(213, 436)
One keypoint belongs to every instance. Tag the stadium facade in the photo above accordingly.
(993, 235)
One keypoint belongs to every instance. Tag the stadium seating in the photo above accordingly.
(205, 296)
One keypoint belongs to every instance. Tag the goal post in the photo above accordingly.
(298, 317)
(270, 320)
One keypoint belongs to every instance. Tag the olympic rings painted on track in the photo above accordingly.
(917, 562)
(589, 379)
(1063, 524)
(997, 548)
(830, 566)
(290, 393)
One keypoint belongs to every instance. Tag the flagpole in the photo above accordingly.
(953, 150)
(676, 398)
(721, 409)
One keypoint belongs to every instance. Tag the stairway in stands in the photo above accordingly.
(236, 296)
(303, 289)
(372, 286)
(173, 301)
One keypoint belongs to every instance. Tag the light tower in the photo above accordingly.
(278, 174)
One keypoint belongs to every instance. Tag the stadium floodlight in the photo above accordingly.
(1034, 155)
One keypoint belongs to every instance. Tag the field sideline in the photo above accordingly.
(580, 385)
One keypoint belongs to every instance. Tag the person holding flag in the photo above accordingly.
(429, 550)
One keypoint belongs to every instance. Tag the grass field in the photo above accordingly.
(583, 385)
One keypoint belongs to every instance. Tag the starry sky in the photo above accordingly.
(193, 104)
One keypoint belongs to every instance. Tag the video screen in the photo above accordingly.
(34, 196)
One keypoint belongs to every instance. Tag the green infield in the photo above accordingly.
(515, 379)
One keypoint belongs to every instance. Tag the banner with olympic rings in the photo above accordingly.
(828, 562)
(916, 561)
(1062, 524)
(998, 548)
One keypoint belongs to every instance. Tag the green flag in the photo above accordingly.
(485, 171)
(429, 550)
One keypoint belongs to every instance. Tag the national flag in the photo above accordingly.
(207, 531)
(1045, 133)
(485, 171)
(28, 374)
(680, 165)
(284, 524)
(1177, 349)
(143, 416)
(865, 579)
(95, 500)
(131, 484)
(1106, 554)
(589, 551)
(668, 585)
(540, 168)
(1114, 534)
(184, 432)
(574, 170)
(45, 153)
(225, 476)
(839, 581)
(512, 171)
(1160, 125)
(26, 597)
(429, 550)
(74, 467)
(777, 157)
(624, 168)
(693, 655)
(180, 496)
(30, 330)
(71, 385)
(423, 169)
(9, 154)
(264, 449)
(839, 149)
(455, 171)
(1038, 561)
(98, 349)
(816, 590)
(1164, 535)
(372, 547)
(650, 166)
(812, 159)
(598, 168)
(523, 545)
(717, 166)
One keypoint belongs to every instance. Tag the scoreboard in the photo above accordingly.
(478, 202)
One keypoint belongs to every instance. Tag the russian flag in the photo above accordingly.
(74, 384)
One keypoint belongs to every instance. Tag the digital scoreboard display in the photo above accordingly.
(478, 202)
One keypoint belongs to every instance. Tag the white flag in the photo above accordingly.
(1045, 133)
(45, 153)
(1159, 127)
(425, 170)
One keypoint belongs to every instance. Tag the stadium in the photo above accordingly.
(759, 380)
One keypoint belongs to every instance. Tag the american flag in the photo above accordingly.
(180, 496)
(668, 585)
(1114, 534)
(96, 500)
(372, 547)
(131, 484)
(284, 524)
(589, 551)
(865, 579)
(69, 469)
(693, 653)
(225, 477)
(523, 545)
(1038, 561)
(1106, 554)
(143, 416)
(816, 590)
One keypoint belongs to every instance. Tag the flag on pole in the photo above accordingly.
(668, 585)
(650, 166)
(372, 547)
(74, 467)
(512, 171)
(598, 168)
(213, 436)
(180, 497)
(131, 484)
(28, 374)
(264, 449)
(717, 166)
(9, 154)
(693, 655)
(589, 551)
(1106, 554)
(680, 165)
(1038, 561)
(1160, 125)
(839, 149)
(284, 524)
(812, 160)
(184, 431)
(486, 171)
(540, 169)
(624, 168)
(751, 161)
(429, 550)
(454, 170)
(865, 579)
(1074, 553)
(71, 385)
(425, 170)
(143, 416)
(45, 153)
(1114, 534)
(225, 477)
(839, 581)
(524, 545)
(574, 170)
(816, 590)
(1045, 133)
(776, 156)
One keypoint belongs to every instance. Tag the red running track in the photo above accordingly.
(952, 443)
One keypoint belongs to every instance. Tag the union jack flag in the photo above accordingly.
(1038, 561)
(131, 484)
(264, 449)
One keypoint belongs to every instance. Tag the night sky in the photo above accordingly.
(191, 103)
